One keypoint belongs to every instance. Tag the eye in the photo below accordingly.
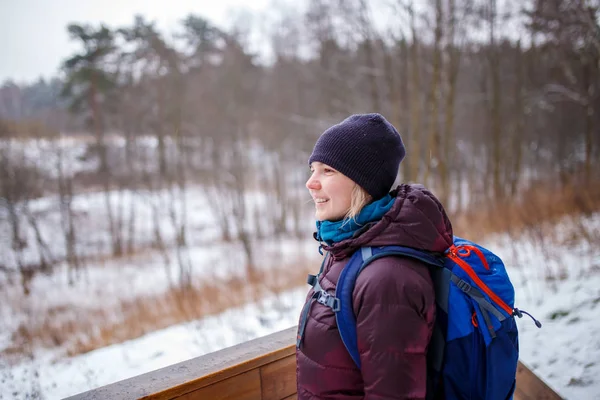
(328, 170)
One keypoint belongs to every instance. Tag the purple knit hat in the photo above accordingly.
(364, 147)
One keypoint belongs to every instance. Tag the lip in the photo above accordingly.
(320, 203)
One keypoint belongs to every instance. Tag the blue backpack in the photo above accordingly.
(474, 350)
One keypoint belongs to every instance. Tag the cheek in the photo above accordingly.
(348, 198)
(344, 191)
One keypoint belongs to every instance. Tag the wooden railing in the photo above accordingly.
(260, 369)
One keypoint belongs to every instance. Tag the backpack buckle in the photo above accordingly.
(330, 301)
(464, 286)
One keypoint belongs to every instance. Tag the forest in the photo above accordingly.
(154, 179)
(498, 104)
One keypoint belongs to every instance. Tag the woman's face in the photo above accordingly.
(331, 191)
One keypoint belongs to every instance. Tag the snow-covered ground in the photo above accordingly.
(92, 223)
(138, 213)
(106, 283)
(55, 379)
(565, 352)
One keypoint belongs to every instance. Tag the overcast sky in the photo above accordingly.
(34, 39)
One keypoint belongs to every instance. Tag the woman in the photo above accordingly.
(354, 165)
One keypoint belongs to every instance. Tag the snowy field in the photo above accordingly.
(138, 214)
(105, 283)
(92, 223)
(565, 352)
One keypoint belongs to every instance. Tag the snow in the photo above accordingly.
(92, 222)
(47, 154)
(108, 284)
(565, 352)
(153, 351)
(142, 208)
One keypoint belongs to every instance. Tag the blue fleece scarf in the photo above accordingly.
(335, 231)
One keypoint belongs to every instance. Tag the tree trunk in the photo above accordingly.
(65, 193)
(590, 88)
(97, 125)
(404, 101)
(415, 103)
(519, 129)
(434, 95)
(46, 257)
(448, 150)
(394, 90)
(376, 104)
(496, 104)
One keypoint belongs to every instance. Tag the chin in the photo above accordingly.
(321, 217)
(328, 217)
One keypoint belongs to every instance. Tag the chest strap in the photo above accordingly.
(321, 296)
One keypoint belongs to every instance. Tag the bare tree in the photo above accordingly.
(65, 203)
(435, 94)
(415, 96)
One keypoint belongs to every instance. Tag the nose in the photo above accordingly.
(313, 183)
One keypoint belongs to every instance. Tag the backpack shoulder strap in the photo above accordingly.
(345, 318)
(318, 292)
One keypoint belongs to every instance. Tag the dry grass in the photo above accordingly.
(548, 218)
(541, 205)
(78, 331)
(82, 330)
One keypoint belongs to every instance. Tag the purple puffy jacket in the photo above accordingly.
(394, 306)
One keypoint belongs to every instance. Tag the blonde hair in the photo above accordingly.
(360, 198)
